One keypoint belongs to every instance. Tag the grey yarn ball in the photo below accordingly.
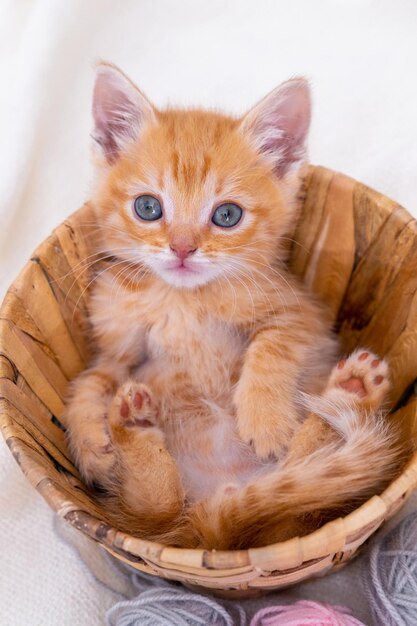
(169, 606)
(391, 576)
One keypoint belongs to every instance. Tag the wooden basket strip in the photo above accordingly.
(211, 583)
(371, 211)
(31, 459)
(402, 355)
(332, 257)
(109, 537)
(219, 560)
(370, 284)
(406, 418)
(76, 321)
(208, 573)
(354, 543)
(183, 571)
(372, 512)
(314, 545)
(208, 577)
(138, 564)
(47, 480)
(52, 259)
(34, 420)
(195, 561)
(12, 332)
(285, 580)
(139, 548)
(53, 262)
(363, 533)
(7, 369)
(283, 556)
(308, 226)
(16, 316)
(40, 371)
(226, 559)
(15, 311)
(401, 487)
(46, 418)
(14, 426)
(346, 556)
(227, 593)
(35, 291)
(397, 282)
(171, 557)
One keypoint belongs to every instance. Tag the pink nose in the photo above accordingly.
(182, 251)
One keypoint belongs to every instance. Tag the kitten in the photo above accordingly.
(209, 353)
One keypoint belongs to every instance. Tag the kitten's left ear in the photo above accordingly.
(120, 111)
(278, 125)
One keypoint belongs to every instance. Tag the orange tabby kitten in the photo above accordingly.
(210, 354)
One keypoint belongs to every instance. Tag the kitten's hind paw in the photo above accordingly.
(133, 406)
(363, 377)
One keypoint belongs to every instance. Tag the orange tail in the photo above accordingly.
(299, 495)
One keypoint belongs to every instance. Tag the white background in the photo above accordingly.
(361, 57)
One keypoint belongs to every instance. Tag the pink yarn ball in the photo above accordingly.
(305, 613)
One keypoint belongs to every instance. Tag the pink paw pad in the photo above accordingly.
(354, 385)
(363, 375)
(134, 406)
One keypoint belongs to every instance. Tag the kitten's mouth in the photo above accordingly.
(181, 268)
(185, 273)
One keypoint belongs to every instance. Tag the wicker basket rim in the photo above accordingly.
(330, 537)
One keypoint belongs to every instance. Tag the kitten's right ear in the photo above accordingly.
(120, 111)
(278, 125)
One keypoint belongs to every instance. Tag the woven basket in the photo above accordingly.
(355, 248)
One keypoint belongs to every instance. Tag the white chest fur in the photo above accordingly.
(200, 343)
(168, 330)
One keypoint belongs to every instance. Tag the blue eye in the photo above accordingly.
(148, 208)
(227, 215)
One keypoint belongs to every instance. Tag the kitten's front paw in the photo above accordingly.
(92, 447)
(267, 440)
(265, 424)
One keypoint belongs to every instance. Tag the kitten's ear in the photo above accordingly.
(278, 125)
(120, 111)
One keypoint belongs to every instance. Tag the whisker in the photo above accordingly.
(106, 269)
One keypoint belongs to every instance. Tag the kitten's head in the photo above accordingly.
(196, 196)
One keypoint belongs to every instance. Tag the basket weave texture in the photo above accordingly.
(356, 249)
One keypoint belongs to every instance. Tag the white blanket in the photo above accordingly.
(361, 58)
